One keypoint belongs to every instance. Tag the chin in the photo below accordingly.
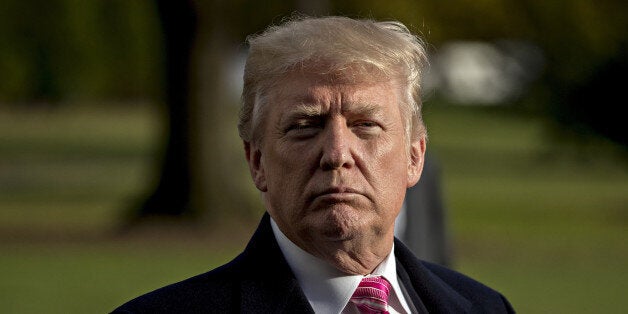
(340, 222)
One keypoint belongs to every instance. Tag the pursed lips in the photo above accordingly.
(336, 195)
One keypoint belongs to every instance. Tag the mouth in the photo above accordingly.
(335, 195)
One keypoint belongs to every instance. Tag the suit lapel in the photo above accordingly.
(407, 284)
(426, 290)
(260, 296)
(268, 284)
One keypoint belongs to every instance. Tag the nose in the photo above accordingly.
(336, 146)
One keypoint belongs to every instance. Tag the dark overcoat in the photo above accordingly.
(259, 280)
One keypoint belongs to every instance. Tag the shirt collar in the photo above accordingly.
(328, 289)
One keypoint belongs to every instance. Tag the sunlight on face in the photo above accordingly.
(334, 163)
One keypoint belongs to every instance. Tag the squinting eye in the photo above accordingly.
(366, 129)
(302, 129)
(300, 126)
(367, 124)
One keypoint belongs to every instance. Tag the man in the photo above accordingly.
(333, 137)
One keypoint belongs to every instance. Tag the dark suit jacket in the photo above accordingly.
(260, 281)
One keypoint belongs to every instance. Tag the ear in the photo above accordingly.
(254, 159)
(416, 160)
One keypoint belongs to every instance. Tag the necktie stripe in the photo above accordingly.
(371, 296)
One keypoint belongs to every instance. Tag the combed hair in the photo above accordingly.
(336, 47)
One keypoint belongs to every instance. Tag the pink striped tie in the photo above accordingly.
(371, 296)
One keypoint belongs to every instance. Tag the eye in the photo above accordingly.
(366, 128)
(366, 124)
(300, 126)
(303, 128)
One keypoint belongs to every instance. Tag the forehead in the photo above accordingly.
(318, 90)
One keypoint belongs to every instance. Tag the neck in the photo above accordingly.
(352, 256)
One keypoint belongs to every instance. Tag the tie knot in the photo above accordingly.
(371, 296)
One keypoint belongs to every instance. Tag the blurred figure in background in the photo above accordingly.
(333, 136)
(421, 224)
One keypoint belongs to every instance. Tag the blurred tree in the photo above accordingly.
(172, 194)
(59, 50)
(593, 105)
(32, 49)
(585, 43)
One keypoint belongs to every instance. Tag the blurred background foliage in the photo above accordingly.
(523, 107)
(57, 51)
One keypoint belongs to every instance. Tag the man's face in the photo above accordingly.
(333, 163)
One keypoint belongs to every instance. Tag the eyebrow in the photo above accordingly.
(312, 110)
(304, 110)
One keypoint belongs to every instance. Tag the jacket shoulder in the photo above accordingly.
(483, 298)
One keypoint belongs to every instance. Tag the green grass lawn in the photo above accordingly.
(544, 222)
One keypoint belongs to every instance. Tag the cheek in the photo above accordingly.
(390, 156)
(390, 170)
(287, 172)
(288, 159)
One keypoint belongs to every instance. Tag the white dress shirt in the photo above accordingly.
(328, 289)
